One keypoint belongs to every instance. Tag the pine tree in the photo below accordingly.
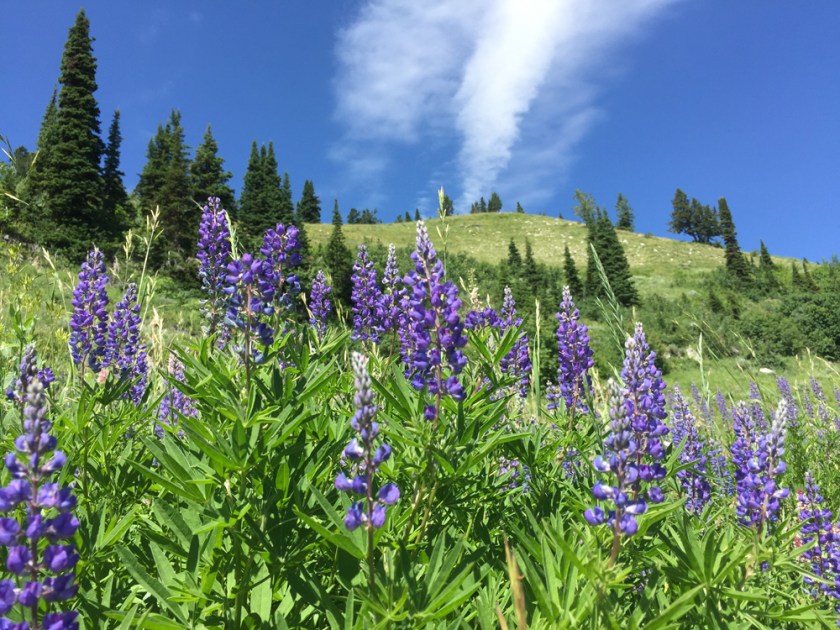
(353, 216)
(626, 217)
(339, 259)
(767, 269)
(407, 217)
(251, 184)
(262, 197)
(208, 174)
(519, 208)
(531, 272)
(448, 207)
(287, 205)
(309, 206)
(417, 216)
(165, 183)
(514, 258)
(807, 280)
(736, 264)
(605, 241)
(698, 221)
(114, 196)
(273, 194)
(571, 274)
(795, 277)
(72, 182)
(586, 208)
(47, 137)
(495, 203)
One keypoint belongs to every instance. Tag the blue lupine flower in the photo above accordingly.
(123, 350)
(392, 293)
(431, 331)
(38, 556)
(214, 255)
(824, 556)
(89, 322)
(367, 301)
(365, 457)
(175, 403)
(695, 478)
(574, 357)
(319, 304)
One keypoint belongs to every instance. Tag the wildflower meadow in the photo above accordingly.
(403, 464)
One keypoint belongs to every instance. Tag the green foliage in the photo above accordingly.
(339, 259)
(309, 206)
(698, 221)
(572, 279)
(208, 175)
(263, 203)
(585, 208)
(736, 264)
(626, 218)
(603, 240)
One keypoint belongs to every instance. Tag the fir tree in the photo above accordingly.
(766, 269)
(338, 258)
(514, 258)
(261, 200)
(519, 208)
(736, 264)
(72, 181)
(407, 217)
(208, 174)
(287, 205)
(531, 272)
(603, 238)
(252, 185)
(571, 274)
(114, 196)
(807, 280)
(586, 208)
(448, 207)
(626, 217)
(795, 277)
(353, 216)
(698, 221)
(47, 137)
(165, 183)
(309, 206)
(495, 203)
(417, 216)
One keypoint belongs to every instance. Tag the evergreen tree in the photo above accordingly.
(519, 208)
(448, 207)
(736, 264)
(603, 237)
(72, 181)
(626, 217)
(352, 216)
(339, 260)
(287, 205)
(417, 216)
(273, 193)
(531, 272)
(795, 277)
(766, 269)
(261, 200)
(309, 206)
(571, 274)
(586, 208)
(47, 137)
(407, 217)
(114, 197)
(252, 185)
(807, 280)
(698, 221)
(209, 177)
(165, 183)
(495, 203)
(514, 259)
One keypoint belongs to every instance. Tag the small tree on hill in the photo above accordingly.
(287, 205)
(626, 217)
(209, 177)
(514, 258)
(766, 270)
(338, 258)
(495, 203)
(698, 221)
(585, 208)
(309, 206)
(571, 274)
(604, 240)
(736, 264)
(531, 272)
(114, 196)
(519, 208)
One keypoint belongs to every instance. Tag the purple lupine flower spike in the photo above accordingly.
(89, 322)
(214, 254)
(431, 331)
(367, 300)
(123, 351)
(320, 304)
(824, 556)
(392, 294)
(365, 457)
(574, 357)
(517, 362)
(695, 478)
(39, 555)
(175, 403)
(281, 248)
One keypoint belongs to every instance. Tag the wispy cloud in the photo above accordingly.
(510, 79)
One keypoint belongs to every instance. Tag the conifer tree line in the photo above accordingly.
(69, 194)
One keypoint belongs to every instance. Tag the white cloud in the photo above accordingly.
(515, 81)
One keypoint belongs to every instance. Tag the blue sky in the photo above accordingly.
(381, 102)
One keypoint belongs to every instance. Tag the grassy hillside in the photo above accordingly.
(661, 265)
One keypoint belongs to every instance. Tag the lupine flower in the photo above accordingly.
(89, 322)
(365, 457)
(759, 496)
(431, 331)
(759, 419)
(366, 299)
(175, 403)
(621, 462)
(319, 304)
(251, 285)
(281, 249)
(702, 404)
(695, 479)
(787, 394)
(517, 362)
(574, 356)
(39, 555)
(719, 468)
(214, 254)
(824, 556)
(723, 408)
(519, 474)
(391, 294)
(123, 350)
